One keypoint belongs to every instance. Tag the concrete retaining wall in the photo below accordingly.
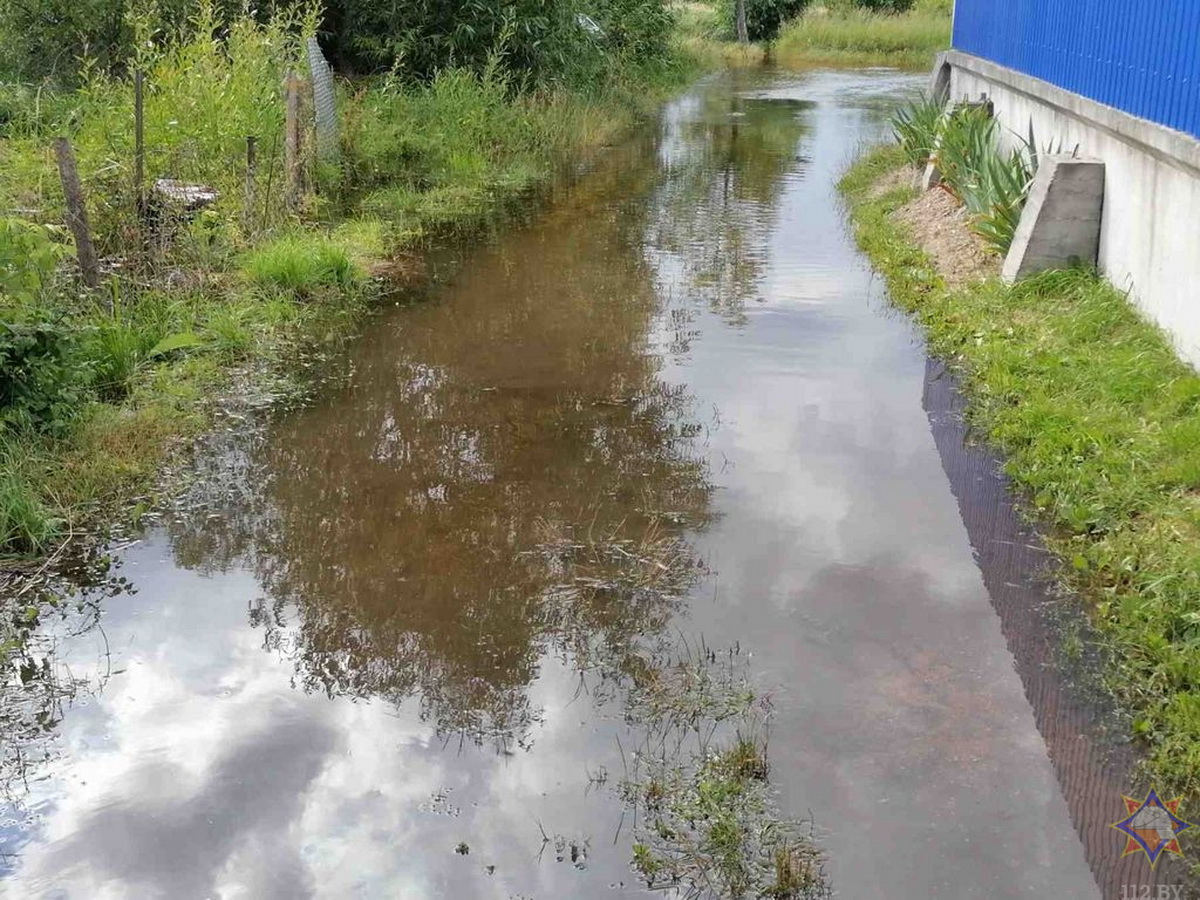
(1150, 230)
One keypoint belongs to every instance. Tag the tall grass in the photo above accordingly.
(204, 95)
(300, 264)
(843, 34)
(442, 156)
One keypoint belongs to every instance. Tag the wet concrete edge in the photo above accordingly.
(1086, 736)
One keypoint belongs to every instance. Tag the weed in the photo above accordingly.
(26, 526)
(300, 264)
(708, 826)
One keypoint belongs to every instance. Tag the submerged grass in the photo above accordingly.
(842, 34)
(1099, 422)
(707, 825)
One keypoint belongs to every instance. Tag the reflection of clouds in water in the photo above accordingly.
(250, 789)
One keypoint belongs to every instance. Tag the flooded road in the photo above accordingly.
(381, 652)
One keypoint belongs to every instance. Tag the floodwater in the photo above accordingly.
(377, 652)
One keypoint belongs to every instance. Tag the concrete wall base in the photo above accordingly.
(1150, 227)
(1060, 225)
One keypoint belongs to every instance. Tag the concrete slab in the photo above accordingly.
(1060, 226)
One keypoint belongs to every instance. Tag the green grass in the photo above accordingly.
(24, 521)
(1099, 423)
(839, 34)
(302, 264)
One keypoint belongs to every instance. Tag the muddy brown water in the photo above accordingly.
(374, 652)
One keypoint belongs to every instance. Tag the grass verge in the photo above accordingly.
(1099, 421)
(843, 35)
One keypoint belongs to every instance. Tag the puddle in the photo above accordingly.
(382, 648)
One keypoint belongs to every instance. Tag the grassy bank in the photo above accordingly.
(98, 387)
(1099, 422)
(840, 34)
(700, 34)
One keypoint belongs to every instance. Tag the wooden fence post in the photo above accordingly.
(251, 176)
(139, 144)
(292, 163)
(77, 219)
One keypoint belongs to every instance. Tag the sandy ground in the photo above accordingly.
(939, 225)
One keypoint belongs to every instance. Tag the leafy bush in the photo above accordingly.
(41, 379)
(764, 18)
(28, 259)
(50, 38)
(639, 29)
(422, 37)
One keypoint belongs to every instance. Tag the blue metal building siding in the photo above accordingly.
(1141, 56)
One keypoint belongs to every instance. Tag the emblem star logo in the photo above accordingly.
(1152, 827)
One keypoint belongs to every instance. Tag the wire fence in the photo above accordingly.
(152, 156)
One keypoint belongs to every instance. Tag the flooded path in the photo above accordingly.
(380, 653)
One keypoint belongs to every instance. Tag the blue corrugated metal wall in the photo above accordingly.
(1141, 56)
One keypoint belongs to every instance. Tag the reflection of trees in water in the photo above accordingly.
(503, 477)
(36, 687)
(728, 160)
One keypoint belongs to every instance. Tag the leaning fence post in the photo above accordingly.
(77, 219)
(251, 175)
(292, 162)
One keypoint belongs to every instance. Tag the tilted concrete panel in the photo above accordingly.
(1060, 225)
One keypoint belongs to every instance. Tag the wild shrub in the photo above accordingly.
(422, 37)
(764, 18)
(204, 94)
(50, 38)
(42, 379)
(29, 258)
(640, 30)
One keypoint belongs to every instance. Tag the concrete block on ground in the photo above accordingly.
(1060, 225)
